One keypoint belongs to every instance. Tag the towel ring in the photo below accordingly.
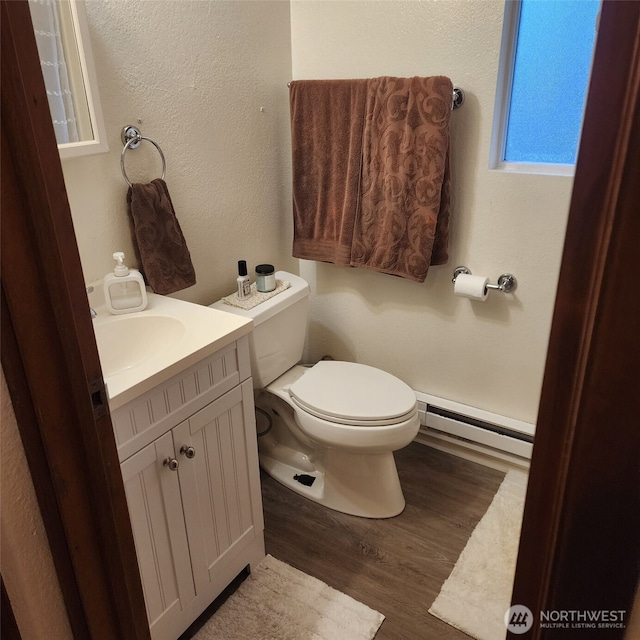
(131, 138)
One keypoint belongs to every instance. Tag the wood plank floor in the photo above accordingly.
(396, 565)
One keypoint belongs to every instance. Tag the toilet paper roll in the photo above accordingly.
(469, 286)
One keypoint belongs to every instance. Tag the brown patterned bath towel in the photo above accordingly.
(402, 225)
(158, 240)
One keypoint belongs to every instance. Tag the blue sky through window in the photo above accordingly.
(552, 65)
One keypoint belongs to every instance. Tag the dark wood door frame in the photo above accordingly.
(579, 490)
(51, 363)
(580, 542)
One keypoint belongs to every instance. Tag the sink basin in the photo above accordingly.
(140, 350)
(129, 340)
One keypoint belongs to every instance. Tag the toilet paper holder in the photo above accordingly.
(507, 283)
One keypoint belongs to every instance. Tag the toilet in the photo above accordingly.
(326, 431)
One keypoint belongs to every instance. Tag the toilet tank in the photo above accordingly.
(279, 329)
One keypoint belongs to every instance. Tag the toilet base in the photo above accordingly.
(365, 485)
(360, 484)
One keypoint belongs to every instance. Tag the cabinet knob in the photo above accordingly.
(190, 452)
(172, 463)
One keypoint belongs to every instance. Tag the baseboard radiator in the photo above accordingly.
(444, 418)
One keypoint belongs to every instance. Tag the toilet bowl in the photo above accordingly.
(327, 431)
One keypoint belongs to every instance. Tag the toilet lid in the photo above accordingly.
(353, 393)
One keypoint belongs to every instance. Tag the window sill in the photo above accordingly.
(539, 168)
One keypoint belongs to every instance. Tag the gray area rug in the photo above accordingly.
(278, 602)
(477, 594)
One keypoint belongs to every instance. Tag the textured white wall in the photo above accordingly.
(27, 565)
(197, 74)
(489, 355)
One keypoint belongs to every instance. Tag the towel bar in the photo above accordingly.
(457, 99)
(131, 138)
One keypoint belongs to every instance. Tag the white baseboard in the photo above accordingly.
(469, 451)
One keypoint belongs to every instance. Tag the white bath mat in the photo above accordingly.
(477, 594)
(278, 602)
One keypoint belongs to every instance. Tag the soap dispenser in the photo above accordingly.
(124, 290)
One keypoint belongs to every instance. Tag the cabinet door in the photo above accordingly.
(220, 487)
(157, 520)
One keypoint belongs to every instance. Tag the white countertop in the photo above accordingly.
(140, 350)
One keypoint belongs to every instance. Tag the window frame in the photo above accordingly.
(502, 103)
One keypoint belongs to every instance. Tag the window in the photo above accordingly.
(547, 47)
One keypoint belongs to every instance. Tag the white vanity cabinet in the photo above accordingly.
(193, 486)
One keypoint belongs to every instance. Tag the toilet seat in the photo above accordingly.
(353, 394)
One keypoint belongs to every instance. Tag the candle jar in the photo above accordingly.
(265, 278)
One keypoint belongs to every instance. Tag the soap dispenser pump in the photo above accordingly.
(124, 290)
